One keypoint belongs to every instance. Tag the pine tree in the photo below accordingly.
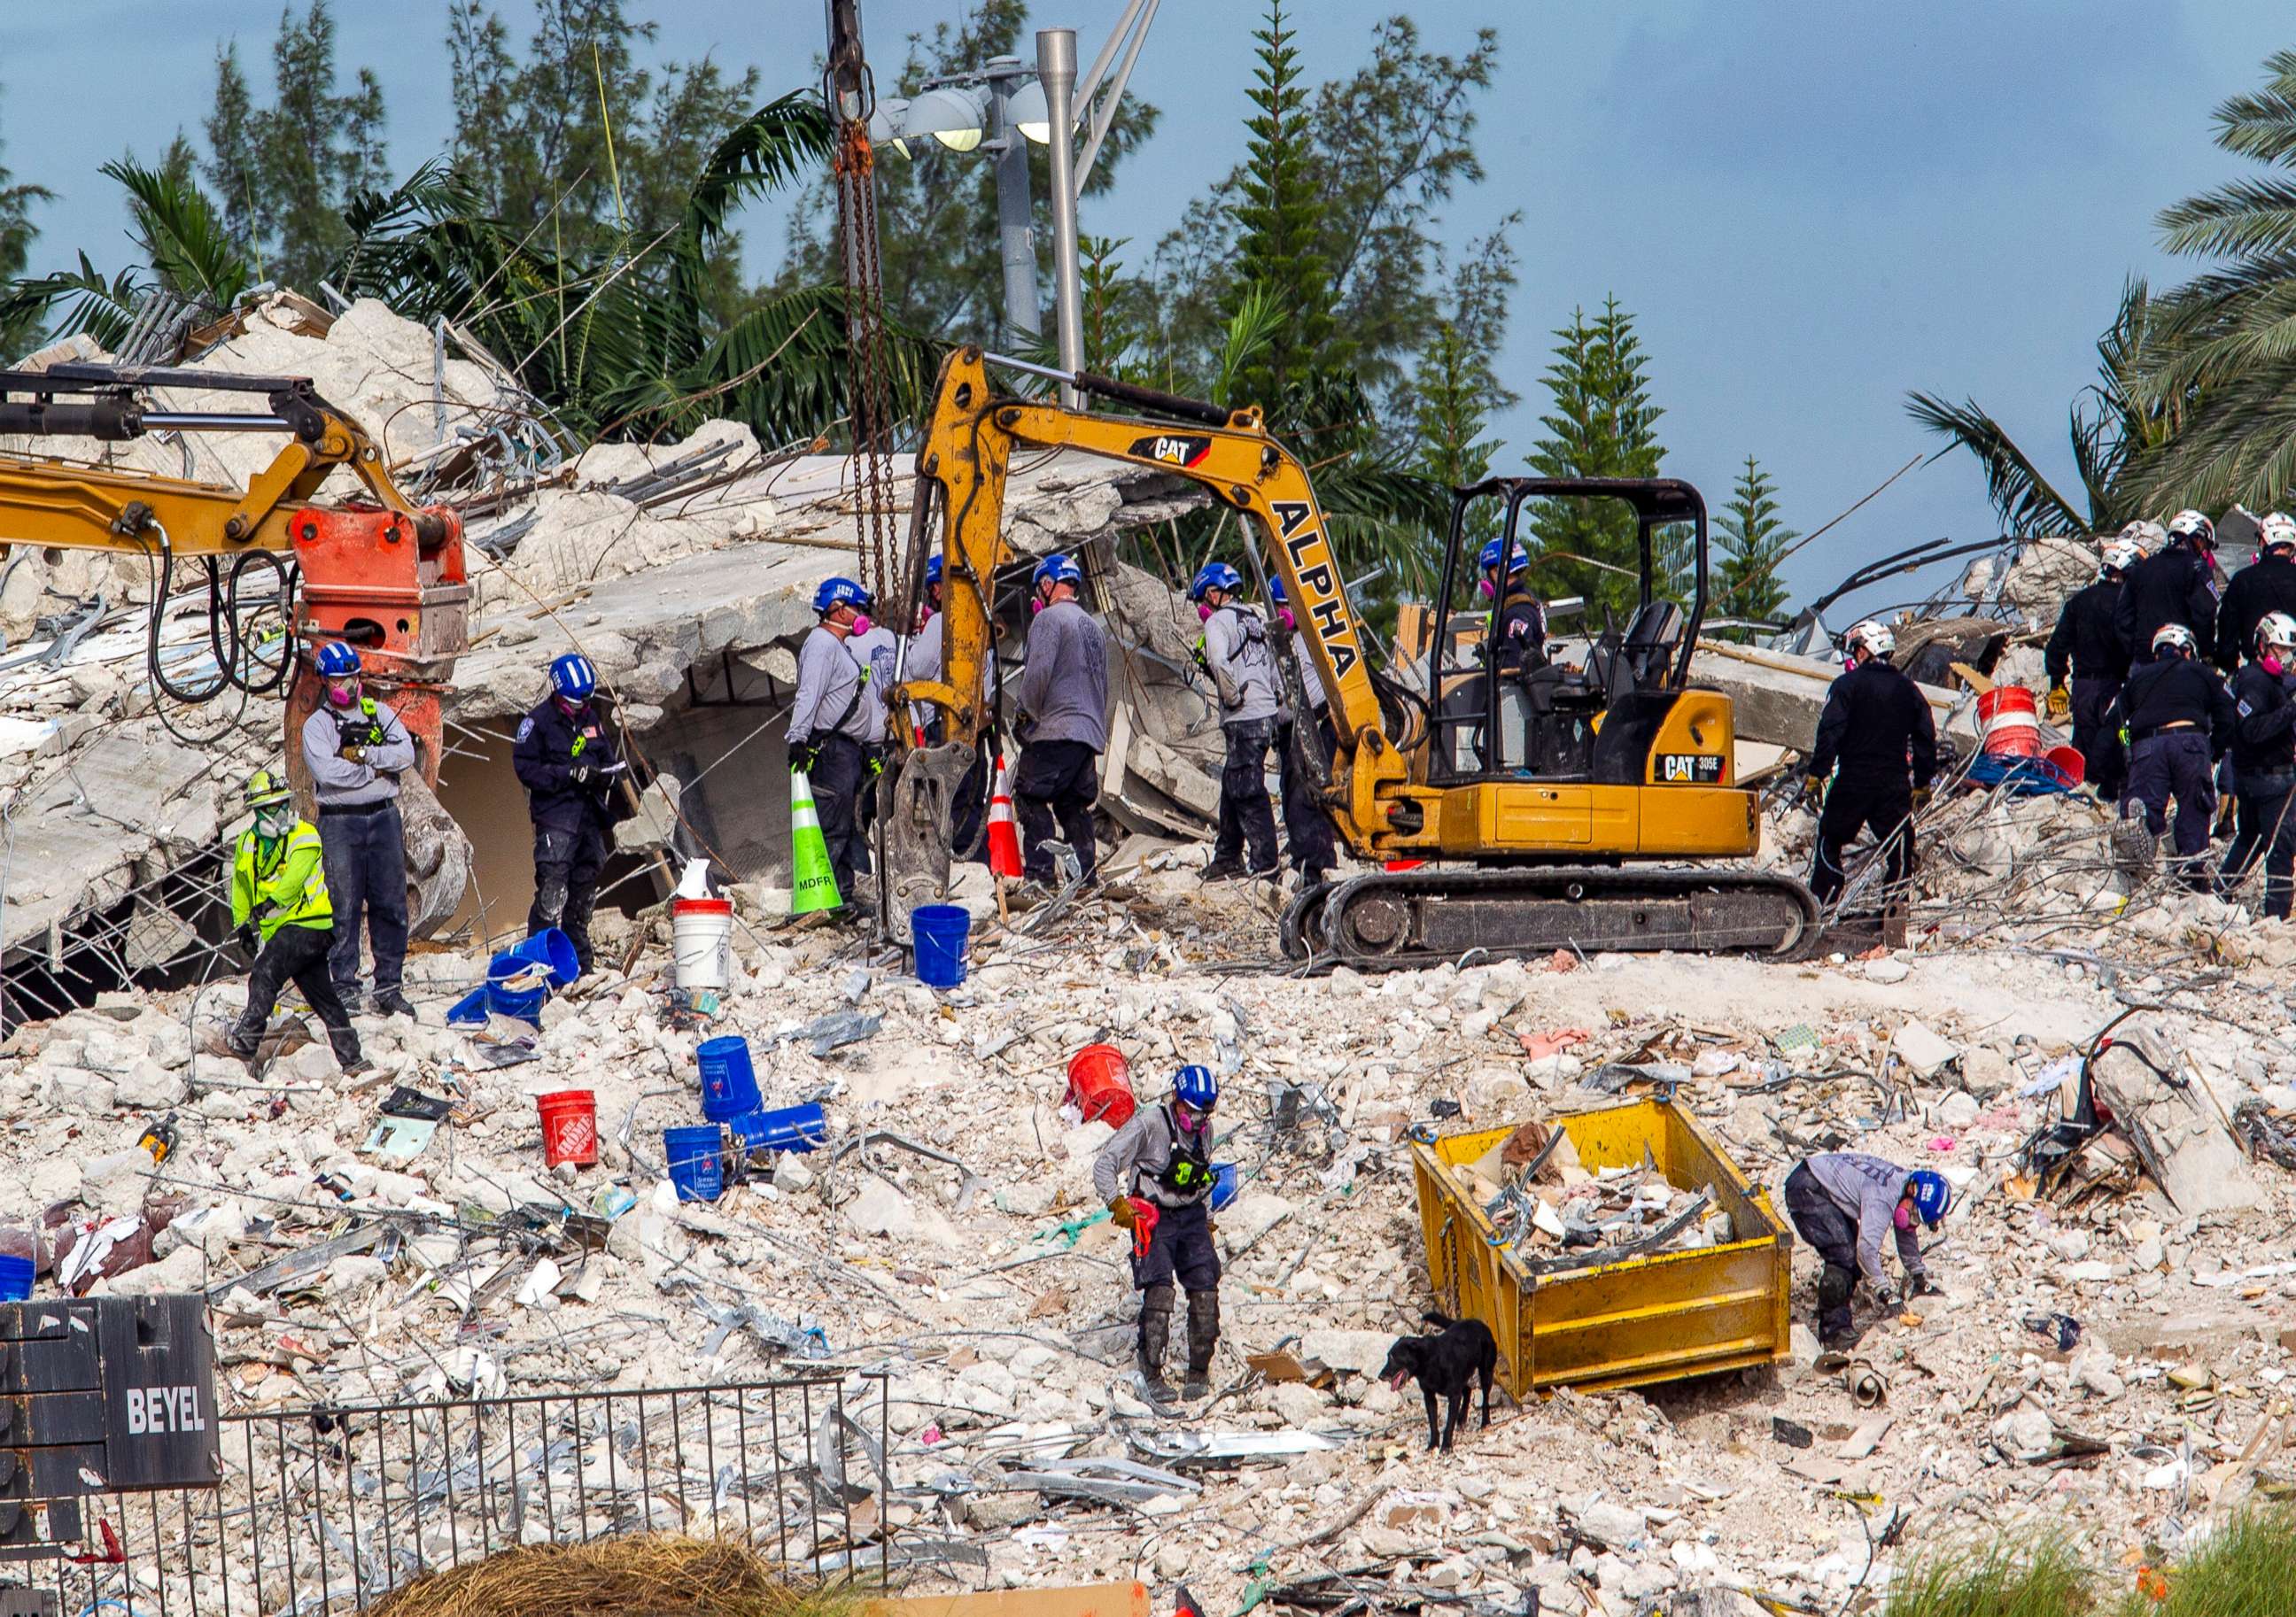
(1452, 400)
(1279, 217)
(1750, 539)
(1601, 424)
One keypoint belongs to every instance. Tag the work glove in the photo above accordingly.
(1122, 1212)
(351, 752)
(2061, 703)
(804, 756)
(250, 937)
(1922, 795)
(1812, 787)
(1923, 1286)
(581, 774)
(1212, 1230)
(1887, 1299)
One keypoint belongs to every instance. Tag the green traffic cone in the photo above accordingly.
(813, 885)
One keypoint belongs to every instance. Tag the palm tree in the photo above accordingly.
(2225, 361)
(2117, 427)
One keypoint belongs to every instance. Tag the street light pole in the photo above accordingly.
(1016, 235)
(1056, 71)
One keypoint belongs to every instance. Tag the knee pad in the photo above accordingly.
(1158, 1299)
(1834, 1286)
(1203, 1314)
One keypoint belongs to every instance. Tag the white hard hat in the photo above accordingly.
(2174, 634)
(2122, 554)
(2192, 525)
(2275, 629)
(1873, 635)
(2276, 530)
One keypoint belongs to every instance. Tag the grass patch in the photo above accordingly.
(1999, 1579)
(2249, 1567)
(640, 1575)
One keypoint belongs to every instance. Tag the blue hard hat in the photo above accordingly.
(1215, 576)
(1932, 1194)
(1059, 569)
(834, 592)
(339, 660)
(1275, 590)
(1496, 548)
(933, 570)
(572, 677)
(1197, 1086)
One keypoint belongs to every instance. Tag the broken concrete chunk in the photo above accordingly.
(1921, 1050)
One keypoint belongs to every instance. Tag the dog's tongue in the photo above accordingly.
(1400, 1377)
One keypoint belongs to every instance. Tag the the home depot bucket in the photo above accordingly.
(2007, 715)
(697, 1162)
(552, 949)
(570, 1126)
(702, 943)
(940, 932)
(729, 1085)
(1100, 1082)
(785, 1129)
(1224, 1185)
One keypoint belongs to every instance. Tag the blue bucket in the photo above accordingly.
(1224, 1185)
(729, 1085)
(697, 1162)
(940, 932)
(503, 1000)
(15, 1279)
(551, 948)
(790, 1129)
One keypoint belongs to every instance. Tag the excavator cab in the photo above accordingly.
(1514, 712)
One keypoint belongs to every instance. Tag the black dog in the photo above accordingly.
(1447, 1364)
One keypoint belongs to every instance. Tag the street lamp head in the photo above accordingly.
(886, 123)
(1027, 112)
(954, 115)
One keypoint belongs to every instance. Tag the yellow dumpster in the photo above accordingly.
(1632, 1322)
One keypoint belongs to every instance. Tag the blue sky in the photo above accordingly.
(1810, 207)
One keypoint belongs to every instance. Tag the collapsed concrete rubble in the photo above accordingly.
(2111, 1358)
(685, 572)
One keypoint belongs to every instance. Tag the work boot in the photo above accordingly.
(1153, 1387)
(1308, 881)
(391, 1002)
(243, 1042)
(1840, 1340)
(1223, 869)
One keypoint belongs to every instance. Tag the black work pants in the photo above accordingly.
(1056, 780)
(1247, 824)
(1307, 824)
(837, 777)
(1832, 1236)
(2172, 766)
(567, 862)
(2266, 827)
(297, 955)
(2105, 766)
(364, 856)
(1884, 806)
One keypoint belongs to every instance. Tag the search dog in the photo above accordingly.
(1445, 1364)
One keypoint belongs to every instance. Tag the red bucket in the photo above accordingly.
(1100, 1082)
(2068, 760)
(569, 1127)
(2009, 721)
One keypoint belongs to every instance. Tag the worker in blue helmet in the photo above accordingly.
(1242, 661)
(354, 749)
(1307, 837)
(1516, 643)
(1845, 1204)
(1163, 1157)
(830, 728)
(573, 774)
(1062, 723)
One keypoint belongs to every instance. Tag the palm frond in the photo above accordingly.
(1254, 326)
(103, 309)
(183, 236)
(777, 143)
(2028, 502)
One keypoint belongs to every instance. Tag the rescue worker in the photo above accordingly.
(1876, 723)
(1307, 825)
(2087, 644)
(1843, 1204)
(356, 748)
(2264, 763)
(926, 654)
(2265, 585)
(1237, 654)
(1062, 723)
(2179, 721)
(1163, 1157)
(282, 917)
(566, 759)
(879, 650)
(2175, 586)
(1516, 641)
(829, 729)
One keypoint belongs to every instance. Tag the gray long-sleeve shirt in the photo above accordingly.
(339, 781)
(1129, 1164)
(879, 651)
(1243, 662)
(829, 695)
(1064, 688)
(1867, 1188)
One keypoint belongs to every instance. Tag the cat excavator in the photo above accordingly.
(1511, 812)
(379, 572)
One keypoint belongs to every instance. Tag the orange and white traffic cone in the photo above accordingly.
(1004, 826)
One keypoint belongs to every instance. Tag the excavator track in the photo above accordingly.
(1404, 919)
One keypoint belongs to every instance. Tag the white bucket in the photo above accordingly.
(702, 943)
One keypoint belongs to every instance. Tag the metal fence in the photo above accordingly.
(328, 1510)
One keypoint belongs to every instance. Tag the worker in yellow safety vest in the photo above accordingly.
(282, 915)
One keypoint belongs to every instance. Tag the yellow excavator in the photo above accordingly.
(1511, 812)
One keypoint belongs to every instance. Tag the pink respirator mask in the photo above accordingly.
(1490, 591)
(1904, 1217)
(860, 623)
(2272, 665)
(342, 695)
(1203, 613)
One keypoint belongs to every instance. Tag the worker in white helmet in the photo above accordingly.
(1877, 728)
